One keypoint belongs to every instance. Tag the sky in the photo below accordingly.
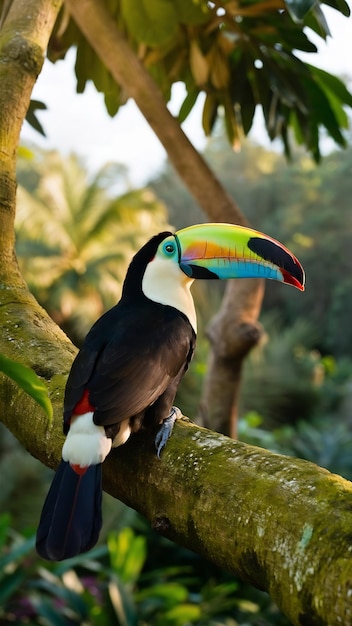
(79, 123)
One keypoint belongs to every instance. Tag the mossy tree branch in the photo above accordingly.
(282, 524)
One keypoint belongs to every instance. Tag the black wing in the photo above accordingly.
(130, 357)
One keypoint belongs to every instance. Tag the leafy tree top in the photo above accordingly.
(242, 55)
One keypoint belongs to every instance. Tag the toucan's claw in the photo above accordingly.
(166, 428)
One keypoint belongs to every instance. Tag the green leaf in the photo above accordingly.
(296, 128)
(49, 612)
(293, 39)
(336, 93)
(183, 614)
(26, 153)
(339, 5)
(299, 8)
(284, 73)
(112, 101)
(323, 28)
(5, 520)
(313, 22)
(28, 380)
(171, 592)
(71, 598)
(333, 84)
(32, 118)
(10, 583)
(192, 11)
(187, 105)
(17, 552)
(153, 22)
(135, 559)
(88, 561)
(241, 90)
(122, 603)
(127, 554)
(322, 111)
(210, 113)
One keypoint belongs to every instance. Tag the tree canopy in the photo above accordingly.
(241, 55)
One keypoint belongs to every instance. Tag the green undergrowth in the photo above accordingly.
(135, 578)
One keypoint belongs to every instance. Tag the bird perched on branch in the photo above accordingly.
(127, 373)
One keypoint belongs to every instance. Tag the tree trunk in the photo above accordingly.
(27, 332)
(26, 26)
(232, 333)
(235, 327)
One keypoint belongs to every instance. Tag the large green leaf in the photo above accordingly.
(322, 112)
(332, 84)
(28, 380)
(339, 5)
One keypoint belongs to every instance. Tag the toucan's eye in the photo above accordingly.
(169, 248)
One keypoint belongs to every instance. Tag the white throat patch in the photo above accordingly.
(164, 282)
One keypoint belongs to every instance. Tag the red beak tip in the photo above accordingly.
(291, 280)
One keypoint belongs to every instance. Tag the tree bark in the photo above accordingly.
(26, 26)
(236, 326)
(232, 333)
(27, 332)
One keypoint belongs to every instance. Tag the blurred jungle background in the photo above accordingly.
(75, 237)
(77, 229)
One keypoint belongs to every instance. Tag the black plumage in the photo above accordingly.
(132, 361)
(134, 356)
(71, 518)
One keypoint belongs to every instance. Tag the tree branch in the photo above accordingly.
(282, 524)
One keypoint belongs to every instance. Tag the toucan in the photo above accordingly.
(131, 363)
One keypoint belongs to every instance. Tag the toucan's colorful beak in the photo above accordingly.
(229, 251)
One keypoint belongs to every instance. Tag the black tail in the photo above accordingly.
(71, 517)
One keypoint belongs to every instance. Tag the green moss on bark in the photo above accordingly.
(282, 524)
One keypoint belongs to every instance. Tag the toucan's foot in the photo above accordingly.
(166, 428)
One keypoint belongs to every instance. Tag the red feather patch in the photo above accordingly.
(79, 469)
(83, 405)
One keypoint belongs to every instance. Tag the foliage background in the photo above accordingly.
(296, 393)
